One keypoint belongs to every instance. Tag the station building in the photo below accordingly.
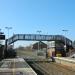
(56, 48)
(53, 48)
(40, 49)
(39, 44)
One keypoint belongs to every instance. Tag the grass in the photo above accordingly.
(31, 54)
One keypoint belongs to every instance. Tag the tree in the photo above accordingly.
(73, 43)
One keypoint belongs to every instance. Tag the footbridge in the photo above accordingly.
(37, 37)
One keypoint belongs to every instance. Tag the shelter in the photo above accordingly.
(40, 44)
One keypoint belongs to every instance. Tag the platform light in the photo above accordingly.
(8, 28)
(65, 38)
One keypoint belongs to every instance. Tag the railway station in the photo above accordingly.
(56, 43)
(37, 37)
(46, 46)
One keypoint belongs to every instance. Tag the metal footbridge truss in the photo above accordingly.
(37, 37)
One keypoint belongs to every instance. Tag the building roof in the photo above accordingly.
(40, 44)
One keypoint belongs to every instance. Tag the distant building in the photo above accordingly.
(41, 45)
(40, 49)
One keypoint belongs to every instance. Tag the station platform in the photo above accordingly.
(16, 66)
(66, 61)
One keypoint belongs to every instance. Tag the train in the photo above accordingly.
(7, 53)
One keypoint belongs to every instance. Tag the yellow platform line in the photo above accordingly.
(14, 67)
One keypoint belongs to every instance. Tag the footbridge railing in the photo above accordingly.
(37, 37)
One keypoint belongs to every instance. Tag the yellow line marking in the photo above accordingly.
(14, 67)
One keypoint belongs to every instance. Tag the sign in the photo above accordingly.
(2, 37)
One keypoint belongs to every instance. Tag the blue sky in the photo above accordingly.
(28, 16)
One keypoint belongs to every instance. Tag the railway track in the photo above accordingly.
(56, 69)
(50, 68)
(36, 68)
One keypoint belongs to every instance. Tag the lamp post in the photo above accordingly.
(8, 28)
(47, 48)
(65, 31)
(39, 31)
(1, 32)
(13, 42)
